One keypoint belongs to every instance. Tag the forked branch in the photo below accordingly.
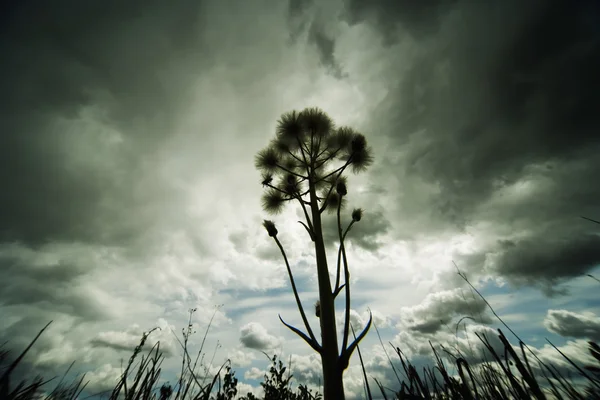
(347, 353)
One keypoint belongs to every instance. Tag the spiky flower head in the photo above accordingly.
(270, 227)
(273, 201)
(290, 130)
(267, 159)
(334, 201)
(290, 164)
(357, 214)
(316, 121)
(342, 138)
(358, 143)
(289, 184)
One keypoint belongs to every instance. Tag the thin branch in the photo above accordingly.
(306, 163)
(318, 146)
(337, 279)
(292, 172)
(346, 353)
(591, 220)
(341, 169)
(311, 342)
(328, 158)
(293, 155)
(594, 278)
(279, 190)
(298, 302)
(308, 221)
(312, 238)
(338, 290)
(347, 289)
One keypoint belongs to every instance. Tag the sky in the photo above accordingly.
(128, 133)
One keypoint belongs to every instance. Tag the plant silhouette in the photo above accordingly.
(304, 163)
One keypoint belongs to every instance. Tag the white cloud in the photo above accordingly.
(255, 336)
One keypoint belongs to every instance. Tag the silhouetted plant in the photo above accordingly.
(298, 165)
(276, 385)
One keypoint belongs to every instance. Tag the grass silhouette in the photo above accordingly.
(509, 374)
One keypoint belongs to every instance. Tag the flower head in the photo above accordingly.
(357, 214)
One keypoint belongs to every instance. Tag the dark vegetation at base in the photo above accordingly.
(503, 376)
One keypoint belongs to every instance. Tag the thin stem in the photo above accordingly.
(279, 190)
(311, 342)
(308, 221)
(298, 303)
(328, 158)
(347, 290)
(362, 364)
(341, 170)
(292, 172)
(318, 146)
(339, 259)
(293, 155)
(306, 163)
(346, 353)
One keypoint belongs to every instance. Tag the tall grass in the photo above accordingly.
(514, 373)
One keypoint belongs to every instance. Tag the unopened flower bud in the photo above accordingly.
(270, 227)
(357, 214)
(318, 309)
(341, 188)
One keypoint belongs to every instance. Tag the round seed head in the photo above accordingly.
(289, 184)
(340, 186)
(273, 201)
(342, 138)
(359, 143)
(357, 214)
(290, 164)
(267, 159)
(334, 201)
(290, 129)
(316, 121)
(361, 160)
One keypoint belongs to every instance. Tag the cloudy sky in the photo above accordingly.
(128, 132)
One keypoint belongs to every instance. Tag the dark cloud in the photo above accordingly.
(551, 259)
(128, 340)
(573, 325)
(304, 17)
(298, 17)
(325, 45)
(496, 121)
(77, 80)
(439, 309)
(48, 280)
(364, 233)
(419, 18)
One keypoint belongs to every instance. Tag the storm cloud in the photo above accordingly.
(495, 119)
(128, 132)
